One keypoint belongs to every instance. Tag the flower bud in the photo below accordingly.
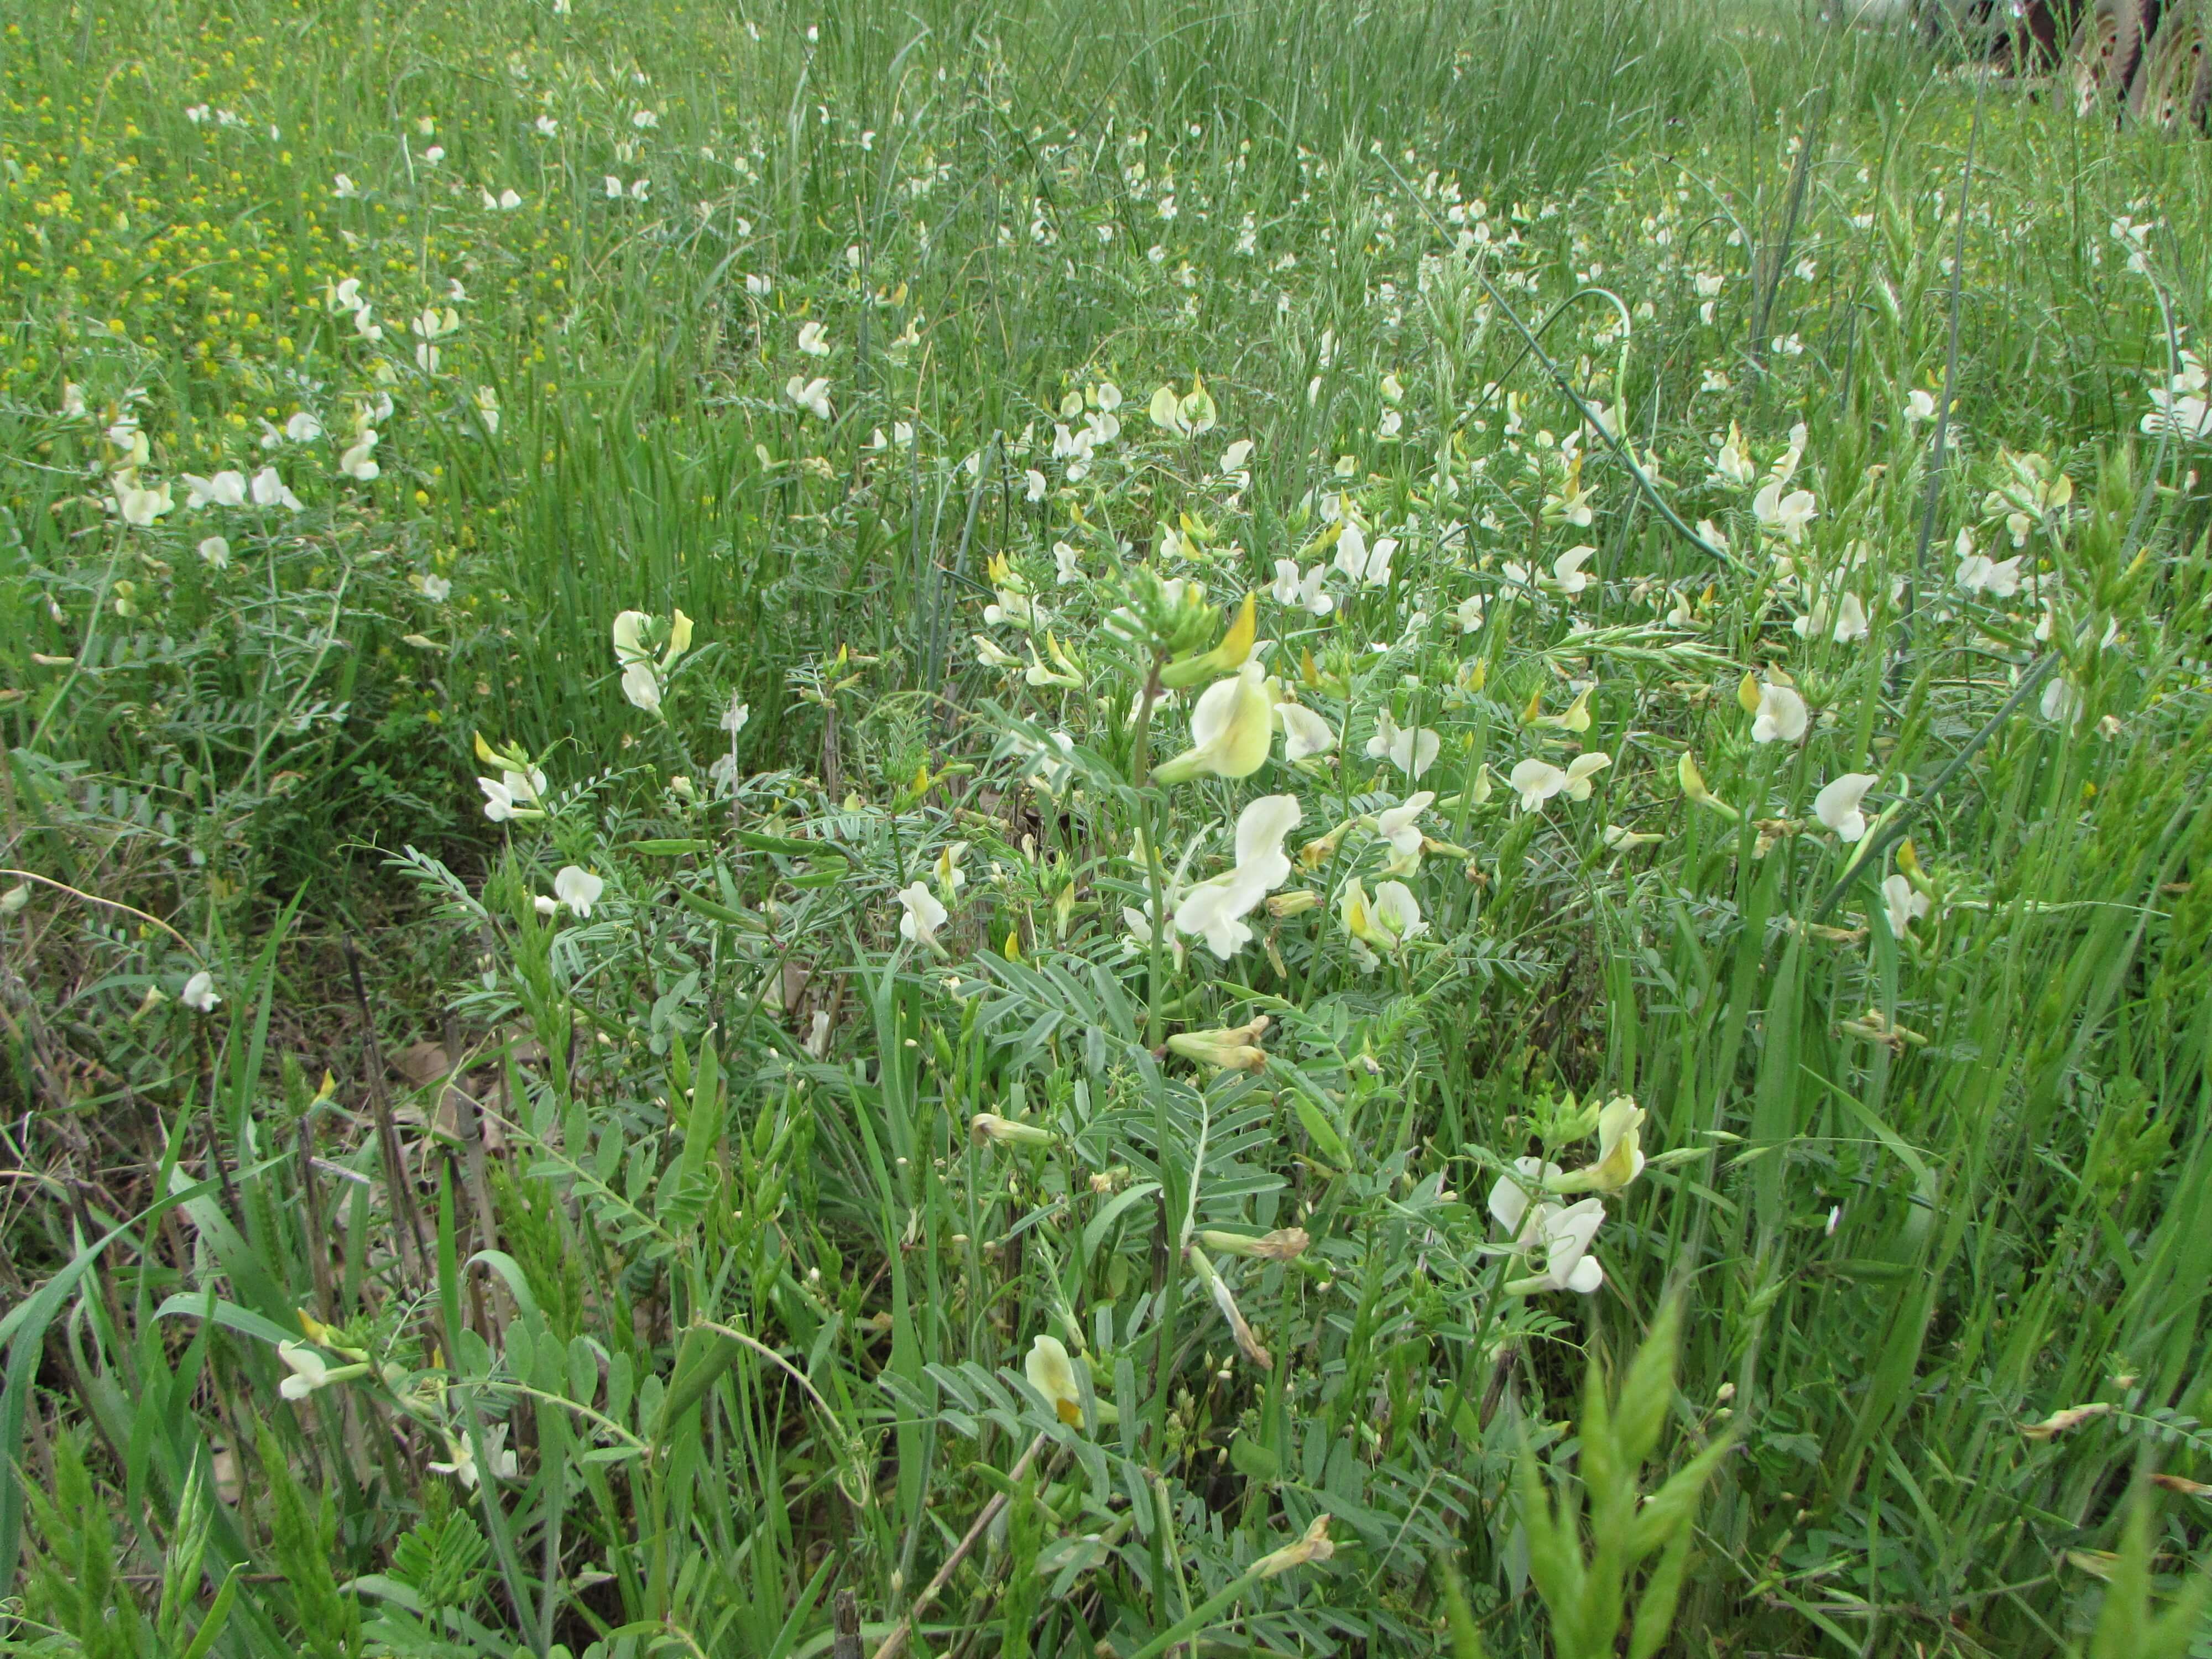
(1693, 788)
(1296, 902)
(1313, 1546)
(1247, 1343)
(1232, 1048)
(1319, 851)
(987, 1127)
(1284, 1244)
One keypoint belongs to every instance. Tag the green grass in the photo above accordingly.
(720, 1232)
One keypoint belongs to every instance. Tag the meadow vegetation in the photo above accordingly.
(998, 828)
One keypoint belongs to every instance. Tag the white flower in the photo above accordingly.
(2061, 701)
(513, 794)
(1508, 1197)
(1139, 939)
(1837, 805)
(499, 799)
(1905, 904)
(1303, 592)
(735, 716)
(923, 915)
(641, 686)
(1979, 574)
(1215, 910)
(364, 324)
(645, 119)
(1782, 715)
(359, 461)
(612, 186)
(1848, 623)
(303, 427)
(136, 504)
(310, 1370)
(436, 589)
(435, 154)
(1017, 609)
(1919, 405)
(1305, 733)
(814, 340)
(575, 888)
(1396, 911)
(216, 552)
(1732, 462)
(1066, 564)
(199, 992)
(1784, 515)
(1187, 416)
(72, 402)
(461, 1458)
(1538, 780)
(950, 877)
(1050, 762)
(268, 490)
(812, 396)
(488, 408)
(1232, 463)
(1563, 1234)
(2185, 416)
(1367, 566)
(509, 199)
(1411, 749)
(343, 186)
(1567, 572)
(1397, 827)
(1469, 613)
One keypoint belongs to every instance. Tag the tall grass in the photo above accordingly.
(709, 1230)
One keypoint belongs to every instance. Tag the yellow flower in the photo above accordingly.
(1694, 790)
(1051, 1374)
(1225, 658)
(1231, 730)
(1619, 1151)
(1576, 719)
